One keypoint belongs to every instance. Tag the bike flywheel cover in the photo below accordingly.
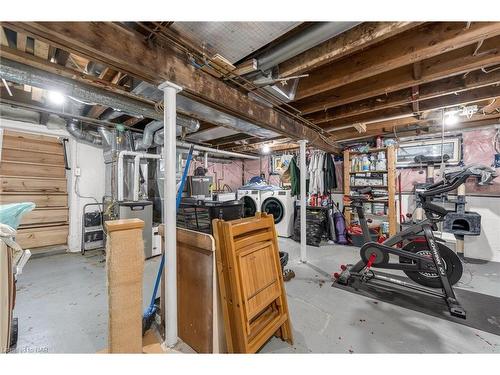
(381, 257)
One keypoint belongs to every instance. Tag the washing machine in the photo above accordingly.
(251, 200)
(280, 204)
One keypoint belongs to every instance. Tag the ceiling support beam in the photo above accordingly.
(349, 42)
(128, 52)
(452, 100)
(446, 86)
(415, 45)
(446, 65)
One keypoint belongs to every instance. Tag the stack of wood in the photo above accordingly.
(254, 303)
(7, 295)
(32, 169)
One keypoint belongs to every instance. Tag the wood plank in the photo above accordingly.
(21, 168)
(391, 189)
(21, 142)
(452, 100)
(32, 137)
(448, 64)
(40, 200)
(21, 41)
(446, 86)
(414, 45)
(16, 154)
(35, 185)
(40, 237)
(41, 49)
(3, 37)
(104, 42)
(348, 42)
(45, 216)
(195, 290)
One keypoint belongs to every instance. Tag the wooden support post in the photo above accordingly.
(125, 267)
(459, 247)
(391, 189)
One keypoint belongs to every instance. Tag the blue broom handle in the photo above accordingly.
(178, 204)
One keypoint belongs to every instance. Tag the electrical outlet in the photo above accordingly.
(78, 172)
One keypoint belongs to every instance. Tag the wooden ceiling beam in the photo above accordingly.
(446, 86)
(423, 43)
(346, 43)
(452, 100)
(130, 53)
(448, 64)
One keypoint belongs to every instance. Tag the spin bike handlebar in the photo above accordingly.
(445, 186)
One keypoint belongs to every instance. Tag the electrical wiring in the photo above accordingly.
(277, 103)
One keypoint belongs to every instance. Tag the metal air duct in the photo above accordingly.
(310, 37)
(73, 128)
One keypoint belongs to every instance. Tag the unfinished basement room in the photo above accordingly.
(249, 187)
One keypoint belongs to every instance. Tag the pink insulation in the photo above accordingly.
(229, 174)
(477, 149)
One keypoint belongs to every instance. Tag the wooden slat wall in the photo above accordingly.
(32, 170)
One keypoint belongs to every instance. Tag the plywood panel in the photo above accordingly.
(195, 289)
(21, 168)
(26, 143)
(45, 215)
(18, 184)
(40, 237)
(40, 200)
(15, 154)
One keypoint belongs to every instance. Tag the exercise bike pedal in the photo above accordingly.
(344, 276)
(455, 308)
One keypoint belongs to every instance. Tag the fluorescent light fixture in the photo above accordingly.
(266, 149)
(56, 97)
(451, 118)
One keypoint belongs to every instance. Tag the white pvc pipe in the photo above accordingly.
(170, 91)
(303, 203)
(137, 161)
(215, 151)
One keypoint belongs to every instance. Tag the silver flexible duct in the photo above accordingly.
(73, 128)
(190, 125)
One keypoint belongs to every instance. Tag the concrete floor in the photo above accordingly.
(62, 308)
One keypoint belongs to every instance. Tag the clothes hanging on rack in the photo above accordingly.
(294, 176)
(330, 177)
(317, 184)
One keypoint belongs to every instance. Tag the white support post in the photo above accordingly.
(303, 203)
(170, 91)
(206, 161)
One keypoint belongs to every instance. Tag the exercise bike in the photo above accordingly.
(423, 258)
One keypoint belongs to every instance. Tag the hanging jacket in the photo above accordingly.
(294, 177)
(330, 177)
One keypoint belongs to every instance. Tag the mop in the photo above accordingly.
(150, 312)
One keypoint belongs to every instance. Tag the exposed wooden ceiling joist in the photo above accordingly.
(414, 45)
(448, 64)
(452, 100)
(430, 90)
(359, 37)
(130, 53)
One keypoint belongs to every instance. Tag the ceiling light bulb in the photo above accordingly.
(266, 149)
(56, 97)
(451, 119)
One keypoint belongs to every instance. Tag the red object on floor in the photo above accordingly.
(371, 260)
